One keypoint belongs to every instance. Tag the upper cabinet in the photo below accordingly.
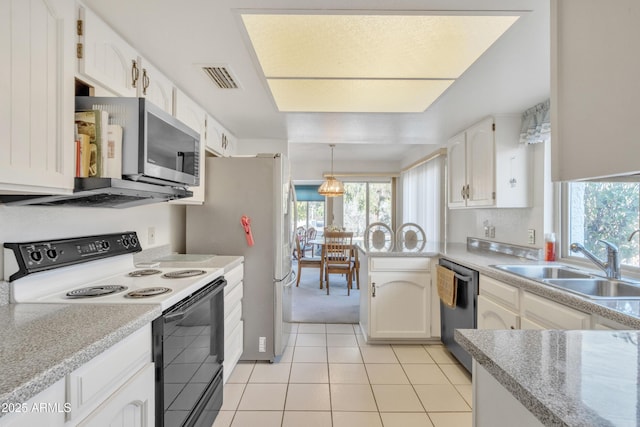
(594, 88)
(220, 142)
(36, 115)
(487, 166)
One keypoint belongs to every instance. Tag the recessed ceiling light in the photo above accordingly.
(407, 60)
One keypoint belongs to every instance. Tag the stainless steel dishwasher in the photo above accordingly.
(463, 316)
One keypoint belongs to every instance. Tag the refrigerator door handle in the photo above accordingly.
(285, 277)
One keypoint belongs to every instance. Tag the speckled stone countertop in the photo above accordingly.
(41, 343)
(431, 249)
(564, 378)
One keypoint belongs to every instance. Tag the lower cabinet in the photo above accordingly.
(28, 414)
(492, 315)
(397, 302)
(539, 311)
(233, 324)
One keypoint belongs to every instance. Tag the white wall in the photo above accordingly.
(29, 223)
(255, 146)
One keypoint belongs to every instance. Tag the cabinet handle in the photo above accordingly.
(145, 81)
(512, 327)
(373, 284)
(135, 73)
(467, 192)
(462, 193)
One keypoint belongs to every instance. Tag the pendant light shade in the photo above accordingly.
(331, 187)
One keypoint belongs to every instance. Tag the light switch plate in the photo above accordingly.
(532, 236)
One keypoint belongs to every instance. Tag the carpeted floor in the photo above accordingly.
(312, 304)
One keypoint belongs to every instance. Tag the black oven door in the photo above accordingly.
(188, 354)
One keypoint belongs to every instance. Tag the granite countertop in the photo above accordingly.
(564, 378)
(41, 343)
(227, 262)
(431, 249)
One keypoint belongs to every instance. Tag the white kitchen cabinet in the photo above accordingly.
(602, 323)
(397, 304)
(155, 86)
(551, 315)
(132, 406)
(29, 413)
(233, 324)
(492, 315)
(594, 88)
(194, 116)
(105, 58)
(37, 45)
(487, 166)
(220, 142)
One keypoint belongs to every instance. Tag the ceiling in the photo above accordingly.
(181, 37)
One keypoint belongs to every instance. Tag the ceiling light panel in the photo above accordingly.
(355, 95)
(371, 46)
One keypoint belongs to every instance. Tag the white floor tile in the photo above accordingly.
(224, 419)
(292, 340)
(294, 328)
(457, 374)
(309, 373)
(308, 397)
(257, 418)
(306, 419)
(356, 419)
(441, 354)
(263, 397)
(340, 328)
(441, 398)
(425, 374)
(386, 373)
(396, 398)
(241, 372)
(311, 340)
(265, 372)
(287, 355)
(456, 419)
(231, 395)
(352, 397)
(467, 393)
(405, 419)
(360, 338)
(311, 328)
(310, 355)
(378, 354)
(344, 355)
(341, 340)
(348, 373)
(412, 354)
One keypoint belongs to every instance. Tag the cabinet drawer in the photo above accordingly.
(399, 263)
(232, 299)
(233, 278)
(90, 384)
(233, 348)
(553, 315)
(232, 320)
(501, 292)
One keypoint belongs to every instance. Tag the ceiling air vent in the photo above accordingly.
(221, 77)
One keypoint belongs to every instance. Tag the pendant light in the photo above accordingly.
(331, 187)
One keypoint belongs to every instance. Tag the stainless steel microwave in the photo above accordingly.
(156, 147)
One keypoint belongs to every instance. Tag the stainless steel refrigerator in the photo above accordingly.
(259, 188)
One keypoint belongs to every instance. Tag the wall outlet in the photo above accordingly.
(262, 344)
(492, 232)
(151, 236)
(532, 236)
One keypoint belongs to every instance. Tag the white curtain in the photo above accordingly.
(421, 197)
(536, 124)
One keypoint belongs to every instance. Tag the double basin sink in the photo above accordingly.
(576, 281)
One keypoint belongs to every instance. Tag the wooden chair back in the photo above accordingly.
(338, 249)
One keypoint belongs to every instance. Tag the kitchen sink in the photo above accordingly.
(598, 288)
(542, 272)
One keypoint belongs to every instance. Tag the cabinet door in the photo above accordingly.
(530, 324)
(480, 164)
(107, 59)
(195, 117)
(456, 166)
(156, 87)
(214, 137)
(131, 406)
(36, 102)
(552, 315)
(492, 315)
(400, 304)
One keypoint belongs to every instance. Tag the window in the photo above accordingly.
(309, 208)
(365, 203)
(608, 211)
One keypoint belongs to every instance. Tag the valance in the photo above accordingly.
(308, 193)
(536, 124)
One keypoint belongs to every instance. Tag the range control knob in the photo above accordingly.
(134, 241)
(35, 256)
(104, 245)
(125, 241)
(52, 253)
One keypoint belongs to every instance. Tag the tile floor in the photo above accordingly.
(329, 376)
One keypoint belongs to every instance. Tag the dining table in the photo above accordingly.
(354, 250)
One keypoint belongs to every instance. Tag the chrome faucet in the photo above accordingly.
(633, 234)
(611, 267)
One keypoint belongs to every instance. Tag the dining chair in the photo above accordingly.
(338, 256)
(301, 235)
(310, 235)
(304, 262)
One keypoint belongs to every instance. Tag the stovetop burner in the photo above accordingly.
(147, 292)
(145, 272)
(95, 291)
(181, 274)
